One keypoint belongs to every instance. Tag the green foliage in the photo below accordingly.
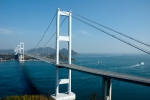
(28, 97)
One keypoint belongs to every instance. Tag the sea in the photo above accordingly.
(38, 77)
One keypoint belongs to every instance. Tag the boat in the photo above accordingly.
(99, 62)
(142, 63)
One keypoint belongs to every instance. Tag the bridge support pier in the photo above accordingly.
(67, 95)
(106, 89)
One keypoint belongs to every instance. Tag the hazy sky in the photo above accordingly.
(26, 21)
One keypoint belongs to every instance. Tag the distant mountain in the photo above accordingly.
(61, 56)
(46, 50)
(8, 51)
(50, 51)
(65, 52)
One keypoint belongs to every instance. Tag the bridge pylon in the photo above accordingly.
(68, 95)
(106, 88)
(16, 50)
(21, 56)
(19, 50)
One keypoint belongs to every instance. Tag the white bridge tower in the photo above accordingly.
(21, 57)
(20, 51)
(68, 95)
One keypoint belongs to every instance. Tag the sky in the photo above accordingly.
(27, 20)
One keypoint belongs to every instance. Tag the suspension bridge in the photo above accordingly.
(107, 76)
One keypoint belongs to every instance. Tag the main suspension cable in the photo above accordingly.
(46, 30)
(113, 36)
(54, 33)
(114, 31)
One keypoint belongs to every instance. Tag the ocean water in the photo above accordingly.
(37, 77)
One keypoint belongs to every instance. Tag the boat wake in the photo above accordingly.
(134, 66)
(137, 65)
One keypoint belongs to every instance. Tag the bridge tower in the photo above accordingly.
(21, 51)
(106, 88)
(68, 95)
(16, 50)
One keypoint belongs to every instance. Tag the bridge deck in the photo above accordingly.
(112, 75)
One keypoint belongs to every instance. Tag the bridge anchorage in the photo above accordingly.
(68, 95)
(19, 52)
